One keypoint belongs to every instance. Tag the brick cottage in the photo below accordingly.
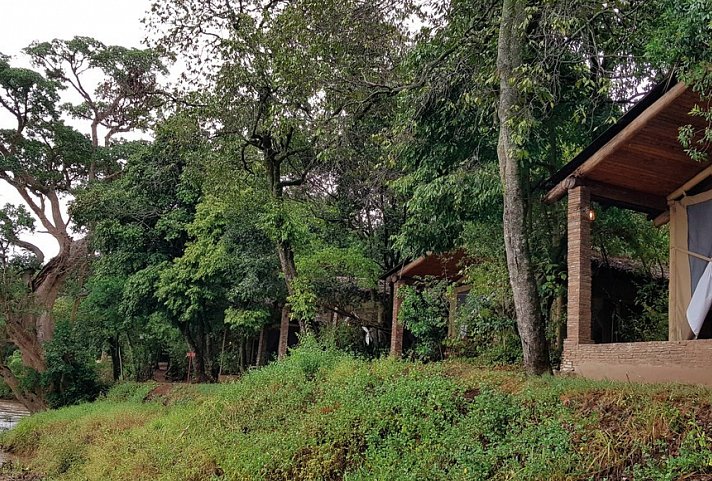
(639, 164)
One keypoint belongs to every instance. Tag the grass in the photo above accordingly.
(322, 415)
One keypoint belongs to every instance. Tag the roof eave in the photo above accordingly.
(558, 183)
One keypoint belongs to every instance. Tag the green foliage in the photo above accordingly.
(303, 301)
(129, 392)
(652, 324)
(71, 376)
(13, 221)
(245, 320)
(130, 79)
(28, 379)
(5, 391)
(331, 276)
(681, 37)
(321, 414)
(618, 232)
(486, 319)
(490, 335)
(346, 337)
(424, 312)
(286, 222)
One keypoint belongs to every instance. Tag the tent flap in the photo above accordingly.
(690, 266)
(701, 301)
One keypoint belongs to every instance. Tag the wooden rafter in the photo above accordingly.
(618, 141)
(618, 196)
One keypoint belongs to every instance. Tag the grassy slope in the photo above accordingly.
(322, 415)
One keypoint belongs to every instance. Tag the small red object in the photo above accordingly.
(190, 354)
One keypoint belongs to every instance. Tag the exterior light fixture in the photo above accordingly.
(589, 214)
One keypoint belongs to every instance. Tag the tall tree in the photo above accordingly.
(139, 224)
(287, 79)
(518, 87)
(510, 52)
(46, 161)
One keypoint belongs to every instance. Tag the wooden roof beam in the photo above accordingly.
(640, 201)
(664, 218)
(629, 199)
(616, 142)
(691, 184)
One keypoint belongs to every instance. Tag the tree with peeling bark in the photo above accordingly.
(285, 80)
(510, 92)
(45, 161)
(530, 322)
(540, 49)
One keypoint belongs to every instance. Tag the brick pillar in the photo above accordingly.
(578, 323)
(396, 327)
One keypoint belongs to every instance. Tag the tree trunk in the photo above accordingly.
(250, 351)
(32, 401)
(283, 332)
(115, 357)
(201, 372)
(289, 270)
(261, 346)
(530, 321)
(241, 355)
(286, 262)
(30, 325)
(203, 359)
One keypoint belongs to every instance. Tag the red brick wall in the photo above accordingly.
(663, 361)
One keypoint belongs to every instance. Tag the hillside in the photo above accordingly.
(325, 415)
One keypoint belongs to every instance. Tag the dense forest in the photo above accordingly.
(261, 163)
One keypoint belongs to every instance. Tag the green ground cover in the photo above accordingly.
(323, 415)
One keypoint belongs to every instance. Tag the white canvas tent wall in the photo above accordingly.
(690, 269)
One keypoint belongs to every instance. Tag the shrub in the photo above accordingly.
(71, 376)
(322, 414)
(424, 312)
(491, 335)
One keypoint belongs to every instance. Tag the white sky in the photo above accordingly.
(113, 22)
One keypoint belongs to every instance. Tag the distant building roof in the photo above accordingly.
(446, 265)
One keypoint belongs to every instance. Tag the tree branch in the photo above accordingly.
(30, 247)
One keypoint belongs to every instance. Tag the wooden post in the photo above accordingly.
(579, 263)
(396, 327)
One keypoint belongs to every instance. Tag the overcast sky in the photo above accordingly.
(115, 22)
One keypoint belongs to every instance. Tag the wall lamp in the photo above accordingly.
(589, 213)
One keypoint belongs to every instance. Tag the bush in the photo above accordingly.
(5, 391)
(652, 323)
(342, 336)
(424, 312)
(322, 414)
(491, 336)
(71, 376)
(129, 391)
